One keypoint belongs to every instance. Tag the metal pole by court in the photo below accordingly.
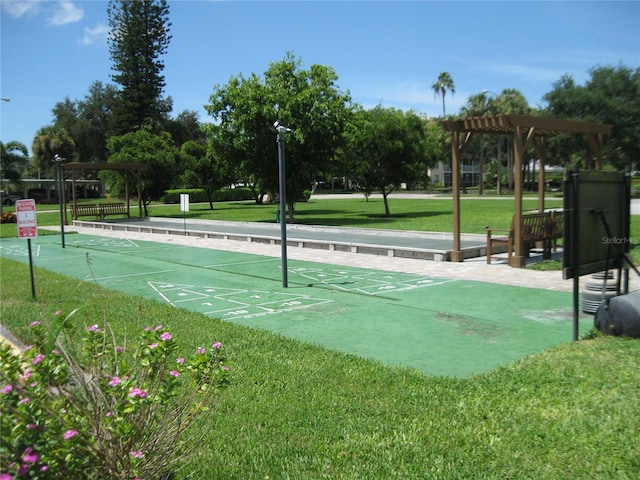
(283, 201)
(58, 159)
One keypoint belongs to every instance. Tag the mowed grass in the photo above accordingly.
(352, 210)
(428, 214)
(299, 411)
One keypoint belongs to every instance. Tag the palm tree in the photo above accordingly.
(478, 106)
(13, 158)
(48, 142)
(442, 85)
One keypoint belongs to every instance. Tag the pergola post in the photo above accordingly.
(526, 130)
(457, 149)
(519, 145)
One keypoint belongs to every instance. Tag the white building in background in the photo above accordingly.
(440, 175)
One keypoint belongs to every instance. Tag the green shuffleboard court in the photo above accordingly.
(436, 325)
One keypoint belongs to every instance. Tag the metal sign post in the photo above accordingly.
(184, 208)
(27, 228)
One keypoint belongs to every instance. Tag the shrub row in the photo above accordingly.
(198, 195)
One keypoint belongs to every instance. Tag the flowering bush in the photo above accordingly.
(102, 410)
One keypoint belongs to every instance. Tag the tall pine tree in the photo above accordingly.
(139, 37)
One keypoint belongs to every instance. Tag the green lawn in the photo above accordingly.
(299, 411)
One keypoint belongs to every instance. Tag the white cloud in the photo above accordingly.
(97, 34)
(20, 8)
(66, 12)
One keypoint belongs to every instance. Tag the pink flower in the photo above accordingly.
(119, 349)
(137, 392)
(154, 345)
(58, 312)
(174, 373)
(32, 426)
(94, 328)
(6, 476)
(30, 456)
(225, 368)
(137, 453)
(159, 327)
(148, 329)
(70, 434)
(37, 359)
(201, 350)
(24, 400)
(180, 360)
(6, 389)
(34, 324)
(108, 414)
(217, 345)
(115, 381)
(165, 336)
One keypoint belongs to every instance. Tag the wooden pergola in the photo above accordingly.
(125, 169)
(526, 131)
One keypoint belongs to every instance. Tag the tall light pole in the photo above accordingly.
(281, 129)
(58, 159)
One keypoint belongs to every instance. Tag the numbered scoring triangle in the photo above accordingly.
(229, 303)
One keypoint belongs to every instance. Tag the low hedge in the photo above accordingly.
(198, 195)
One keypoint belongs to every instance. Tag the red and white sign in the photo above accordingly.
(26, 218)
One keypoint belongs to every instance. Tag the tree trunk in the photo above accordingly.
(387, 213)
(290, 210)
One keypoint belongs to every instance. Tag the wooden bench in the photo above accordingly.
(101, 210)
(545, 228)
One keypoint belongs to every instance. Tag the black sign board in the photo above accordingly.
(596, 221)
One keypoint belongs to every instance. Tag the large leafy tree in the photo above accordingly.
(87, 121)
(138, 38)
(308, 101)
(387, 148)
(611, 95)
(201, 170)
(441, 86)
(185, 127)
(156, 151)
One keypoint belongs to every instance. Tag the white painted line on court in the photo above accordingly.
(132, 275)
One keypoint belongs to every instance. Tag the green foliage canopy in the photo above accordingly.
(157, 151)
(388, 148)
(307, 101)
(611, 95)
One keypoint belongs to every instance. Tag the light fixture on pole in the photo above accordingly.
(58, 159)
(281, 129)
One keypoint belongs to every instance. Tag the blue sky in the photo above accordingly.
(387, 53)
